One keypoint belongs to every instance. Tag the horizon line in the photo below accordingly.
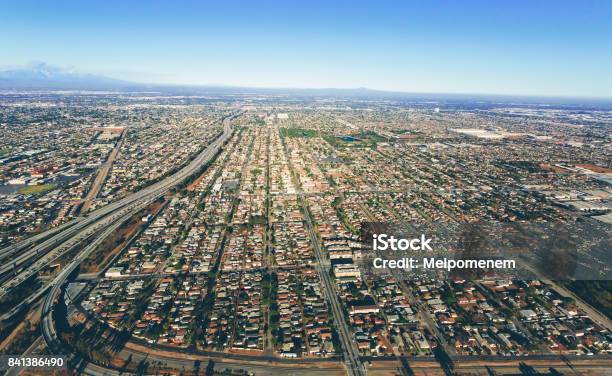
(63, 69)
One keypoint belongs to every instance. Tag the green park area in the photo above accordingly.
(298, 132)
(37, 189)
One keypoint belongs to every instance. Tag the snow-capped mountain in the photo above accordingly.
(40, 75)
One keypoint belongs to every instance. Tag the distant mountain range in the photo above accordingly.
(40, 75)
(43, 76)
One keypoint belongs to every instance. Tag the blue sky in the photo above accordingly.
(499, 47)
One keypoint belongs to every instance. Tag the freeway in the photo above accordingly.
(133, 204)
(36, 266)
(30, 262)
(116, 222)
(6, 253)
(49, 334)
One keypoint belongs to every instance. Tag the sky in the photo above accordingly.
(554, 48)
